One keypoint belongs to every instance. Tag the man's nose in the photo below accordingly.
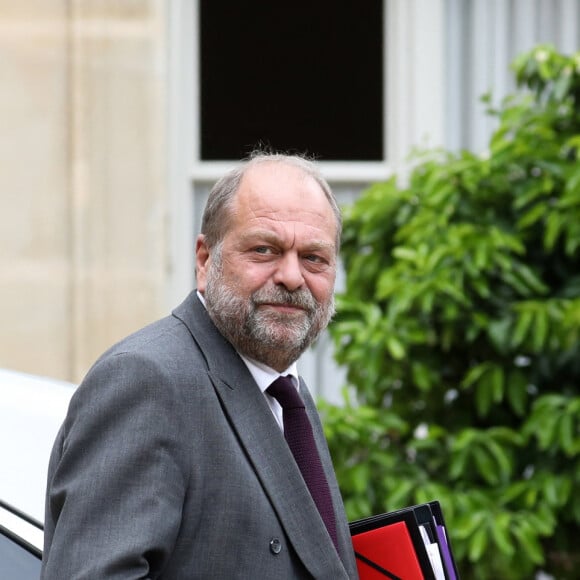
(289, 272)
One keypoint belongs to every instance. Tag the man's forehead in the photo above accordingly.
(283, 191)
(272, 171)
(279, 184)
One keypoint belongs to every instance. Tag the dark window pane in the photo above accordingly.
(302, 75)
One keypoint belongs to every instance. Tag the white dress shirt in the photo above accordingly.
(265, 376)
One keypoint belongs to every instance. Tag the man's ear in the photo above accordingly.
(201, 262)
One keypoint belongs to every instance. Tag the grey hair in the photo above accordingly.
(217, 214)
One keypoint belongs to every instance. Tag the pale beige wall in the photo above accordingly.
(82, 178)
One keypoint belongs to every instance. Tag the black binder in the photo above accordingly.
(407, 544)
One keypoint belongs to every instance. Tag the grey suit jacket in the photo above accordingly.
(171, 465)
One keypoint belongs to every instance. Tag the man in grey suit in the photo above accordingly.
(172, 462)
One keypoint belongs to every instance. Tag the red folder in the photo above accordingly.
(386, 552)
(390, 546)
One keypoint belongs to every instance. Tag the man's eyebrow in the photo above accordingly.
(262, 235)
(320, 245)
(257, 233)
(272, 237)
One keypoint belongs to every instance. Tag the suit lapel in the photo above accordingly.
(264, 443)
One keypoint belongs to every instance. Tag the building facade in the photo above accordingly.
(117, 117)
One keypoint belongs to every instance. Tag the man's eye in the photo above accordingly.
(315, 259)
(262, 250)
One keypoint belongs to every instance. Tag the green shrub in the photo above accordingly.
(460, 332)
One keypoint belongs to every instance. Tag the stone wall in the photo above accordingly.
(83, 194)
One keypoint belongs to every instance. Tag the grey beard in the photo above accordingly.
(274, 339)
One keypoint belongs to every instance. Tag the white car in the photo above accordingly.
(32, 409)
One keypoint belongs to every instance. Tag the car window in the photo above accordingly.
(16, 561)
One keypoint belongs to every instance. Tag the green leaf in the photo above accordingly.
(497, 383)
(421, 375)
(529, 542)
(504, 466)
(478, 544)
(531, 279)
(516, 391)
(500, 531)
(396, 347)
(540, 329)
(498, 332)
(537, 213)
(474, 375)
(457, 464)
(554, 227)
(483, 398)
(522, 328)
(403, 253)
(485, 466)
(566, 434)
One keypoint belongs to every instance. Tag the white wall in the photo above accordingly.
(482, 39)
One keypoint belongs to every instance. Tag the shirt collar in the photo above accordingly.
(265, 375)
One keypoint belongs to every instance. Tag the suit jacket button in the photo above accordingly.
(275, 546)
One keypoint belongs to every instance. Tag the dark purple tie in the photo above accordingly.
(300, 439)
